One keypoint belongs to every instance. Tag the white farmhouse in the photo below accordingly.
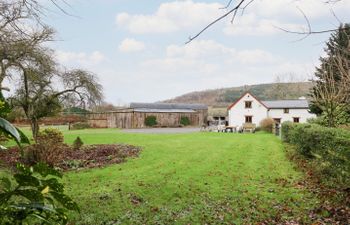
(250, 110)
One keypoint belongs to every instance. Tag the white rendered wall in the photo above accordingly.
(238, 112)
(303, 114)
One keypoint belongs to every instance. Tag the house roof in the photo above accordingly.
(245, 93)
(168, 106)
(291, 104)
(277, 104)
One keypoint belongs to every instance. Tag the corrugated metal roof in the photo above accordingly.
(167, 106)
(290, 104)
(164, 110)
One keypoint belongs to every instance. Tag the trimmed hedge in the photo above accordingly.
(80, 126)
(151, 121)
(328, 148)
(185, 121)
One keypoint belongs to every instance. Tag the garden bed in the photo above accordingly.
(89, 156)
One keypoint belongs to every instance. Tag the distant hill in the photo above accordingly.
(223, 97)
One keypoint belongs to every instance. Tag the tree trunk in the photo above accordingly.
(34, 123)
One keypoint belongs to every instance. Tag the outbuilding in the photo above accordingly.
(166, 114)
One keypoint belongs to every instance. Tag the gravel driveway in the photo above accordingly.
(163, 130)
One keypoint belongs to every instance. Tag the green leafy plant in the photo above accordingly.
(78, 143)
(50, 135)
(36, 197)
(12, 132)
(185, 121)
(150, 121)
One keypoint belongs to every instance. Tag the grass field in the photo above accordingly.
(198, 178)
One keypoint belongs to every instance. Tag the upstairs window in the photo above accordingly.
(248, 104)
(286, 111)
(296, 119)
(248, 119)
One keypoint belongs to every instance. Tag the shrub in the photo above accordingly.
(329, 148)
(78, 143)
(185, 121)
(80, 126)
(49, 148)
(50, 135)
(267, 124)
(150, 121)
(49, 153)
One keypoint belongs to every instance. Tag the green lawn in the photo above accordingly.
(198, 178)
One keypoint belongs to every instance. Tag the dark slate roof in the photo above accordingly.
(167, 106)
(290, 104)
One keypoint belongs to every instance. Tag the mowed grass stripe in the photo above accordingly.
(189, 178)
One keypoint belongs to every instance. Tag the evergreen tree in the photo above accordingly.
(338, 55)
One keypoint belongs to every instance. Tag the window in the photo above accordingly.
(286, 111)
(248, 119)
(248, 104)
(277, 120)
(296, 119)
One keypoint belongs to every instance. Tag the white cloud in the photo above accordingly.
(170, 17)
(209, 50)
(80, 58)
(207, 63)
(131, 45)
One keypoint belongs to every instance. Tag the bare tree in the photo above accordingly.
(43, 91)
(234, 8)
(42, 87)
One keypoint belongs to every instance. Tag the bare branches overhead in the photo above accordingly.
(233, 8)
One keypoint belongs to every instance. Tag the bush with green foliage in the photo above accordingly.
(49, 148)
(329, 148)
(185, 121)
(37, 197)
(80, 126)
(78, 143)
(151, 121)
(267, 124)
(50, 135)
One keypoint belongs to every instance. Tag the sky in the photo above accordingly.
(137, 47)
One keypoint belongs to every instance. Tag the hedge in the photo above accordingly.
(151, 121)
(328, 148)
(185, 121)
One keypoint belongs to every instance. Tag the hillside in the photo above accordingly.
(225, 96)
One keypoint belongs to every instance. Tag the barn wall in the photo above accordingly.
(128, 119)
(119, 119)
(203, 116)
(98, 120)
(165, 119)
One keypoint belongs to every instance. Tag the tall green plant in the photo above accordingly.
(36, 197)
(330, 94)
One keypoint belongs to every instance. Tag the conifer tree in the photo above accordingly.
(330, 75)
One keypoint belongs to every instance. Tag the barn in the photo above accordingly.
(167, 115)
